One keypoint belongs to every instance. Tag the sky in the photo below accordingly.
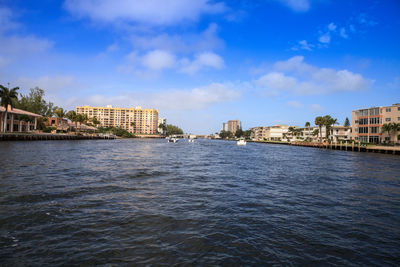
(204, 62)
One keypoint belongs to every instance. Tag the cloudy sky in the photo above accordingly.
(203, 62)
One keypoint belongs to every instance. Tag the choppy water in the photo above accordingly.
(148, 202)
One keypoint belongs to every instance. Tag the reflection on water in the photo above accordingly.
(209, 202)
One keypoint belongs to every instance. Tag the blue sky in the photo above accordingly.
(201, 62)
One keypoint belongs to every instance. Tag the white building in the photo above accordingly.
(161, 121)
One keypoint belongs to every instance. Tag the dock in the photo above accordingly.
(351, 147)
(44, 136)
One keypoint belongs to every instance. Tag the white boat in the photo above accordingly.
(241, 142)
(191, 140)
(173, 140)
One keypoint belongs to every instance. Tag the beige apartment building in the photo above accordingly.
(135, 120)
(367, 123)
(231, 126)
(270, 133)
(234, 125)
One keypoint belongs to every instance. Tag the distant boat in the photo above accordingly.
(191, 140)
(173, 140)
(241, 142)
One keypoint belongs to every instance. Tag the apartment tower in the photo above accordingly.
(135, 120)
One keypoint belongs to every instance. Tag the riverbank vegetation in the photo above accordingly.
(116, 131)
(172, 129)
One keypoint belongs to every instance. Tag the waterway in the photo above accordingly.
(149, 202)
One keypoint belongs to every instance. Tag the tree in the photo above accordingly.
(328, 121)
(391, 128)
(95, 121)
(71, 115)
(163, 127)
(8, 97)
(34, 102)
(308, 124)
(172, 129)
(239, 133)
(347, 122)
(315, 132)
(395, 128)
(319, 121)
(247, 134)
(60, 113)
(225, 134)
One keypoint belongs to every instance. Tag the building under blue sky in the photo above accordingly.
(202, 62)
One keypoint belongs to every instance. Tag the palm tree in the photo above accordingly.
(95, 121)
(391, 128)
(386, 128)
(307, 125)
(7, 97)
(319, 121)
(71, 115)
(60, 113)
(395, 129)
(328, 121)
(81, 118)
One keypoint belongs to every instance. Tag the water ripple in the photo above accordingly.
(148, 202)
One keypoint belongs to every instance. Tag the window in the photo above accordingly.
(374, 120)
(363, 130)
(363, 121)
(388, 110)
(374, 111)
(387, 119)
(374, 139)
(398, 118)
(374, 129)
(398, 108)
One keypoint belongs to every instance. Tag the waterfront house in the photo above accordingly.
(61, 125)
(338, 133)
(18, 120)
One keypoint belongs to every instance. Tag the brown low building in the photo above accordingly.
(61, 125)
(18, 120)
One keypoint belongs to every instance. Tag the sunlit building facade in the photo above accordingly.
(135, 120)
(367, 124)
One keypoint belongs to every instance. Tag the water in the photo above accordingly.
(149, 202)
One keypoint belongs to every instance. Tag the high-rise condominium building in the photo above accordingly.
(231, 126)
(367, 123)
(135, 120)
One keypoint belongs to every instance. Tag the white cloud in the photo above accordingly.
(149, 12)
(188, 43)
(325, 38)
(205, 59)
(14, 48)
(332, 26)
(112, 48)
(343, 33)
(7, 20)
(296, 76)
(158, 60)
(316, 108)
(277, 81)
(297, 5)
(193, 99)
(304, 45)
(48, 83)
(294, 104)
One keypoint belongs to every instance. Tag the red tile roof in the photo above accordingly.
(19, 112)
